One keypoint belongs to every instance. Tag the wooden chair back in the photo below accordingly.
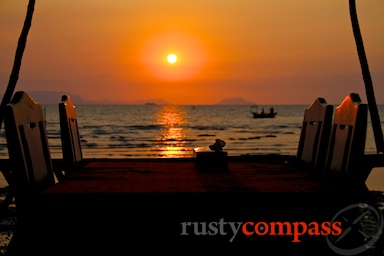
(70, 137)
(315, 133)
(346, 149)
(27, 145)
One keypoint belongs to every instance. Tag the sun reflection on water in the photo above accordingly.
(172, 139)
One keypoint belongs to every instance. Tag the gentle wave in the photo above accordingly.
(174, 131)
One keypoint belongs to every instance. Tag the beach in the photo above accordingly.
(144, 77)
(7, 223)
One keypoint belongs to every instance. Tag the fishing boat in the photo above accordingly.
(263, 114)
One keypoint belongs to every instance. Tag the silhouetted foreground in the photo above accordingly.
(113, 207)
(281, 204)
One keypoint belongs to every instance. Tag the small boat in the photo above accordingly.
(263, 114)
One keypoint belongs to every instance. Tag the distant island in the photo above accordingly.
(54, 97)
(150, 102)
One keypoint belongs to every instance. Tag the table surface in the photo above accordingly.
(124, 176)
(112, 207)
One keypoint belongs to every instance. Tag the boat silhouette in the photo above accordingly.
(263, 114)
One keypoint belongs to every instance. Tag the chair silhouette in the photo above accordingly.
(315, 134)
(346, 147)
(28, 149)
(70, 138)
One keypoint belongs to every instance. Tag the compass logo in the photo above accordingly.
(362, 227)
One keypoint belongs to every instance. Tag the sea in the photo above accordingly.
(173, 131)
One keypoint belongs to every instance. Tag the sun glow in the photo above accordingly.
(190, 58)
(172, 58)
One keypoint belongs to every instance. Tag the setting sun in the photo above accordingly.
(172, 58)
(173, 55)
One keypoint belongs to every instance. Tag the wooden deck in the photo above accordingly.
(180, 175)
(114, 207)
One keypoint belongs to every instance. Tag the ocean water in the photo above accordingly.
(152, 131)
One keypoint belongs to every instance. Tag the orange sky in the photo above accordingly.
(267, 52)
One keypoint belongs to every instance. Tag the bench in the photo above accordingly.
(345, 158)
(28, 150)
(333, 148)
(70, 137)
(315, 134)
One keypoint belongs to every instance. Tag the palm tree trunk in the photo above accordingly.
(12, 84)
(18, 58)
(375, 119)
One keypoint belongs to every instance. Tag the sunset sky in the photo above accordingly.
(265, 51)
